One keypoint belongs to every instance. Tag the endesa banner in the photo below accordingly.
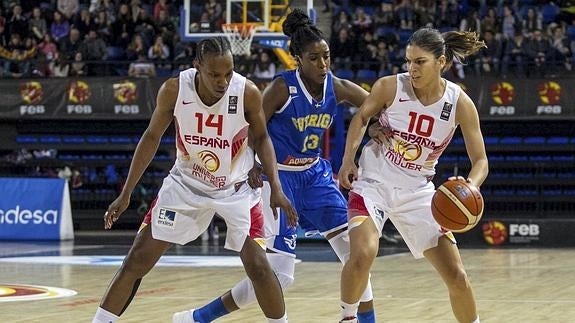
(35, 209)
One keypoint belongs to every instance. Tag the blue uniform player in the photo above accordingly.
(299, 106)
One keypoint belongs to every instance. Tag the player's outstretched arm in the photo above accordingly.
(262, 144)
(146, 149)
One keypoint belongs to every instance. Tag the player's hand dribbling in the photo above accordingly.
(347, 174)
(278, 199)
(115, 209)
(255, 176)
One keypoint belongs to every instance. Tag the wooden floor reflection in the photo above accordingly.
(511, 285)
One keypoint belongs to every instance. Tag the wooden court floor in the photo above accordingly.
(511, 285)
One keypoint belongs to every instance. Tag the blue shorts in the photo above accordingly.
(320, 205)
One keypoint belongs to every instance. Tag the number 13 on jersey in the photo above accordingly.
(310, 141)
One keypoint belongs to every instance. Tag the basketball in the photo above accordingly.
(457, 206)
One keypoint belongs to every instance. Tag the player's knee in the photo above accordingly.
(457, 281)
(137, 263)
(257, 268)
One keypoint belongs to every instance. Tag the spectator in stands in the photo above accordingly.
(471, 23)
(405, 13)
(561, 51)
(94, 49)
(68, 7)
(110, 9)
(166, 27)
(103, 26)
(362, 21)
(37, 24)
(446, 14)
(123, 27)
(158, 51)
(425, 11)
(537, 49)
(58, 67)
(366, 51)
(142, 67)
(214, 8)
(382, 57)
(532, 22)
(161, 5)
(71, 44)
(514, 55)
(78, 67)
(384, 15)
(342, 50)
(48, 48)
(508, 23)
(488, 59)
(490, 22)
(16, 57)
(60, 28)
(136, 47)
(17, 23)
(264, 67)
(83, 22)
(342, 22)
(145, 26)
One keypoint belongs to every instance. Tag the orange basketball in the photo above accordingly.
(457, 206)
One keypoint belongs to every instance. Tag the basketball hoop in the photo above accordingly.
(240, 37)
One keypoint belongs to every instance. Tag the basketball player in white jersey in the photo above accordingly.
(421, 111)
(213, 108)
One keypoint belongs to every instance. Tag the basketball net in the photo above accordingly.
(240, 37)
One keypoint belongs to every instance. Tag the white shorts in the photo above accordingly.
(182, 213)
(409, 209)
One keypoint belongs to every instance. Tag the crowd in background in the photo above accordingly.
(140, 38)
(523, 37)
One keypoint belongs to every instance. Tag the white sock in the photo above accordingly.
(476, 320)
(103, 316)
(282, 319)
(348, 310)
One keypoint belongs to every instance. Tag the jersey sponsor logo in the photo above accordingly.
(403, 100)
(319, 120)
(187, 102)
(203, 174)
(17, 292)
(233, 104)
(207, 141)
(446, 111)
(18, 215)
(298, 161)
(166, 218)
(210, 160)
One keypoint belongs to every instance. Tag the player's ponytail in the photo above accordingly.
(455, 45)
(301, 31)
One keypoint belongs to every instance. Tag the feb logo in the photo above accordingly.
(502, 93)
(210, 160)
(494, 232)
(31, 92)
(78, 92)
(125, 92)
(549, 92)
(408, 151)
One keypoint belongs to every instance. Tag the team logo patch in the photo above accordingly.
(408, 151)
(446, 111)
(125, 92)
(210, 160)
(31, 92)
(17, 292)
(233, 104)
(292, 90)
(166, 218)
(78, 92)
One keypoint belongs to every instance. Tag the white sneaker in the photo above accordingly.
(349, 320)
(183, 317)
